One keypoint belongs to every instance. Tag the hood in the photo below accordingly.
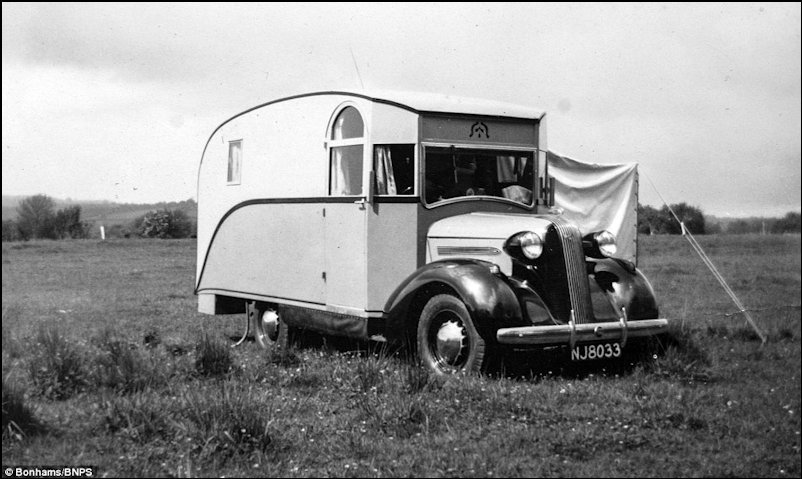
(488, 226)
(480, 236)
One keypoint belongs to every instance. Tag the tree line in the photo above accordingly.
(37, 218)
(661, 221)
(790, 223)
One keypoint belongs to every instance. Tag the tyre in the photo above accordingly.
(447, 339)
(270, 333)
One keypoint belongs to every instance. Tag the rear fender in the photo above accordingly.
(490, 301)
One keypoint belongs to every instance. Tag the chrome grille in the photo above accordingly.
(576, 272)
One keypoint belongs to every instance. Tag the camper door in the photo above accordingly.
(345, 213)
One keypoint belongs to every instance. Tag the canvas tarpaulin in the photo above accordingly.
(599, 197)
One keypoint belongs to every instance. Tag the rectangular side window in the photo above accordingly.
(346, 171)
(234, 162)
(394, 166)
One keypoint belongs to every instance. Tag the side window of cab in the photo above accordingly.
(394, 168)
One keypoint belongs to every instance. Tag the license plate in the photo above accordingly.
(586, 352)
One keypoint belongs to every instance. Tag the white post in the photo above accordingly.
(102, 233)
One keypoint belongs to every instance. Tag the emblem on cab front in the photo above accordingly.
(479, 129)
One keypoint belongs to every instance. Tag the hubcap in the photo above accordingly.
(450, 341)
(269, 322)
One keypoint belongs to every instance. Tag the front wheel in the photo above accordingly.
(447, 339)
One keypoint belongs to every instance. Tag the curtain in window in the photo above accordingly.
(339, 181)
(234, 161)
(346, 170)
(505, 168)
(385, 178)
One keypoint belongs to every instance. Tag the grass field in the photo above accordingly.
(107, 363)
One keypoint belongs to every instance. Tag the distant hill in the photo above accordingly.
(106, 212)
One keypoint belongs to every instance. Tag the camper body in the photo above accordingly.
(407, 217)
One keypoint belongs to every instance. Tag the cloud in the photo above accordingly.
(699, 94)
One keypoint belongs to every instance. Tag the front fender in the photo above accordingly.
(490, 301)
(624, 286)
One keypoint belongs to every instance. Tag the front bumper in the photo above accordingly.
(572, 333)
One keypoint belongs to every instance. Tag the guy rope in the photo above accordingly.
(709, 263)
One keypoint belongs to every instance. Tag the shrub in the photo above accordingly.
(790, 223)
(67, 223)
(57, 367)
(35, 216)
(662, 221)
(164, 224)
(691, 216)
(11, 231)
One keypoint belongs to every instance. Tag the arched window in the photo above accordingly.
(348, 125)
(347, 146)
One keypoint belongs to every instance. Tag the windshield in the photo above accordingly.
(462, 172)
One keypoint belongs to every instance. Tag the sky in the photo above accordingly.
(116, 101)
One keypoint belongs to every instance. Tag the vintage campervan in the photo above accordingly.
(417, 217)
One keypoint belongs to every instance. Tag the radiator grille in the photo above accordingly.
(575, 269)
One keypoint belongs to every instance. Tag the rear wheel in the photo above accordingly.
(269, 331)
(448, 341)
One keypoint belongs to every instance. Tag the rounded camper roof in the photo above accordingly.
(424, 103)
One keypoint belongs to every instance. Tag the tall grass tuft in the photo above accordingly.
(230, 422)
(18, 418)
(212, 357)
(418, 379)
(369, 372)
(141, 416)
(57, 367)
(122, 367)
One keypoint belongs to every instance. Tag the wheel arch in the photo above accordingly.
(490, 301)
